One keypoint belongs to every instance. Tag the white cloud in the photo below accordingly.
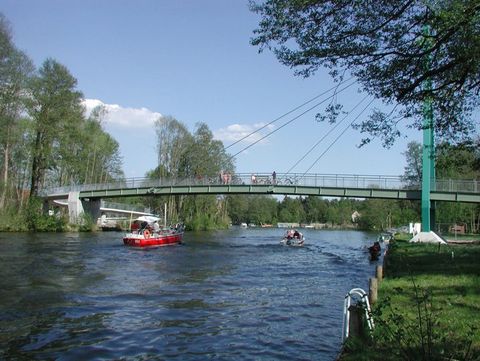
(117, 115)
(235, 132)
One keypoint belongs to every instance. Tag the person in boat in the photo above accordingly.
(156, 227)
(375, 249)
(143, 226)
(289, 234)
(296, 234)
(134, 227)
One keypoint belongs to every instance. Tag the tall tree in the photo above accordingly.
(205, 159)
(15, 68)
(54, 105)
(413, 169)
(185, 155)
(86, 153)
(392, 47)
(173, 140)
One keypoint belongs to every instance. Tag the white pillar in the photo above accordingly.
(75, 207)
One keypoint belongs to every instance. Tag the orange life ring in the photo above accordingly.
(146, 233)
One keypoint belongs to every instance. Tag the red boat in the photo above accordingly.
(148, 239)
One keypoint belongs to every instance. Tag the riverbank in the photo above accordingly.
(428, 305)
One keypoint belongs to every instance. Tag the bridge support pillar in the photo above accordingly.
(92, 208)
(77, 207)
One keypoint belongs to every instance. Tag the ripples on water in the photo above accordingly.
(227, 295)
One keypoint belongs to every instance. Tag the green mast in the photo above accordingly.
(428, 154)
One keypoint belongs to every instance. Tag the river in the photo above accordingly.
(227, 295)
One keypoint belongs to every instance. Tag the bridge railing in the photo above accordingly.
(287, 179)
(457, 185)
(124, 206)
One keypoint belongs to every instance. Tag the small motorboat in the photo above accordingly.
(148, 239)
(293, 238)
(144, 233)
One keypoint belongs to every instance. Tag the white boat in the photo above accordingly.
(293, 238)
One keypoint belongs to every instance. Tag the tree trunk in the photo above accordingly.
(5, 176)
(36, 172)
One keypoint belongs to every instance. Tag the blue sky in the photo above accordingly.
(192, 60)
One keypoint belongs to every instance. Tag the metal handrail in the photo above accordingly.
(281, 179)
(346, 311)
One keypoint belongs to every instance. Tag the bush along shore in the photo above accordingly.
(428, 305)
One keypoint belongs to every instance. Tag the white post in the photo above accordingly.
(75, 207)
(165, 215)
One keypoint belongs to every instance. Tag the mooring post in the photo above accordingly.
(373, 290)
(379, 273)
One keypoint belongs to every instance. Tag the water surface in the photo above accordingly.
(226, 295)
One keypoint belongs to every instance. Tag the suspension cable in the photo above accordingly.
(290, 112)
(328, 133)
(340, 135)
(291, 120)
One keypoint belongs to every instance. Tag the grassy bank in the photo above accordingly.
(428, 308)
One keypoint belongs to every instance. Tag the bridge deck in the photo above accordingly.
(328, 185)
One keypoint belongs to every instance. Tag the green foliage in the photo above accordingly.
(46, 141)
(291, 210)
(54, 107)
(420, 335)
(381, 214)
(86, 223)
(428, 305)
(383, 44)
(37, 220)
(12, 221)
(461, 161)
(197, 156)
(413, 168)
(428, 302)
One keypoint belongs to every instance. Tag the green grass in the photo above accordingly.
(429, 305)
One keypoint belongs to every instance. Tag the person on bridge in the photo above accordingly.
(274, 177)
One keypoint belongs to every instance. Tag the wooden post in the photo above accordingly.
(373, 290)
(379, 273)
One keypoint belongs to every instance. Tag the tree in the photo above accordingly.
(15, 69)
(173, 141)
(54, 105)
(393, 47)
(89, 154)
(413, 169)
(315, 209)
(195, 156)
(238, 207)
(461, 161)
(291, 210)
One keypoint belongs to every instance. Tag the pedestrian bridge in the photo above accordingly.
(325, 185)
